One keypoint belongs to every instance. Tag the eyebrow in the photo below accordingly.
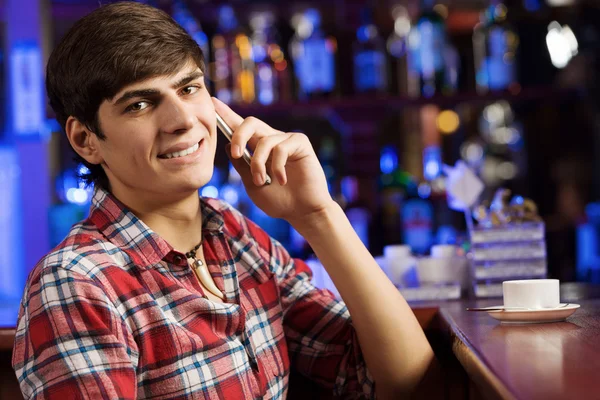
(133, 94)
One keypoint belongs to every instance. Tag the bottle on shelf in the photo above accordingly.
(404, 76)
(417, 220)
(328, 156)
(370, 64)
(495, 45)
(356, 211)
(233, 73)
(313, 53)
(427, 45)
(392, 187)
(272, 75)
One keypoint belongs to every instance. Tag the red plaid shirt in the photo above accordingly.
(115, 312)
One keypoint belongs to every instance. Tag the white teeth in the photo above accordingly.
(183, 152)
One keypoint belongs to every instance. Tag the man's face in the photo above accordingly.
(160, 135)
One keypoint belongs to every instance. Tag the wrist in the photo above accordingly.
(320, 220)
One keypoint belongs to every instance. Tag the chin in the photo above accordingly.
(197, 181)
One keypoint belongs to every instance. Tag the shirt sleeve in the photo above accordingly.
(70, 341)
(322, 342)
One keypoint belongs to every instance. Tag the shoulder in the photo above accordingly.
(84, 253)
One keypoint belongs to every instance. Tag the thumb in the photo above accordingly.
(240, 166)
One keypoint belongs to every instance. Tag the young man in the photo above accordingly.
(162, 294)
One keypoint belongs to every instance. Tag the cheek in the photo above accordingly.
(128, 148)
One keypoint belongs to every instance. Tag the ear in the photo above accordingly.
(83, 141)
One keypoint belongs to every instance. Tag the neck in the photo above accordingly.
(177, 219)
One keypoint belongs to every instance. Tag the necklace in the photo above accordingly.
(202, 272)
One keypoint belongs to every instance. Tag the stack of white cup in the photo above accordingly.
(400, 264)
(444, 266)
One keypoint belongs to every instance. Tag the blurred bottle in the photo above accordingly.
(327, 154)
(417, 220)
(356, 211)
(233, 63)
(427, 44)
(370, 64)
(404, 76)
(452, 63)
(272, 77)
(494, 45)
(392, 186)
(183, 16)
(313, 53)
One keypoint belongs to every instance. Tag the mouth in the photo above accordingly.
(179, 154)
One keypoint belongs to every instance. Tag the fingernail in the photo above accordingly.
(236, 150)
(258, 178)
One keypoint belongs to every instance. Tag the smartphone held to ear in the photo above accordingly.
(228, 132)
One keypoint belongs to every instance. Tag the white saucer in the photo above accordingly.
(557, 314)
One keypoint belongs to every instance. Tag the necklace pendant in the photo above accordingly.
(204, 276)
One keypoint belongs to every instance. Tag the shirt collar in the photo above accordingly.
(126, 231)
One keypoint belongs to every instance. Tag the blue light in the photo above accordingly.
(388, 161)
(432, 162)
(12, 259)
(83, 170)
(227, 18)
(266, 97)
(432, 169)
(77, 196)
(518, 200)
(230, 195)
(210, 191)
(532, 5)
(71, 189)
(424, 190)
(26, 82)
(259, 53)
(362, 34)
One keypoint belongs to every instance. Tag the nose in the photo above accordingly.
(176, 116)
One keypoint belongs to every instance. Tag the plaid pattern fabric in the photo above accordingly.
(115, 312)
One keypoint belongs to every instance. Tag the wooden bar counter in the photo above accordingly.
(480, 357)
(547, 361)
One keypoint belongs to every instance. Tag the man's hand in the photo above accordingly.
(298, 189)
(394, 345)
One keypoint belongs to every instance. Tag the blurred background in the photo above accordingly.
(388, 91)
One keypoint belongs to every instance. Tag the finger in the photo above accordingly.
(279, 159)
(293, 146)
(235, 122)
(232, 118)
(249, 133)
(261, 155)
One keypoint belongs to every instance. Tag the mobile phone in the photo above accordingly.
(228, 132)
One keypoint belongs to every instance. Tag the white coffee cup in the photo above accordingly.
(531, 293)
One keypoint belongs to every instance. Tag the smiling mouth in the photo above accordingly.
(181, 153)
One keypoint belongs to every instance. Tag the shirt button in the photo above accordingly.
(178, 259)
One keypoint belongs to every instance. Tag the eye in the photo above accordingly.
(190, 89)
(137, 106)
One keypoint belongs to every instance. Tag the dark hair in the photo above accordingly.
(114, 46)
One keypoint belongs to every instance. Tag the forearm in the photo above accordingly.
(392, 341)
